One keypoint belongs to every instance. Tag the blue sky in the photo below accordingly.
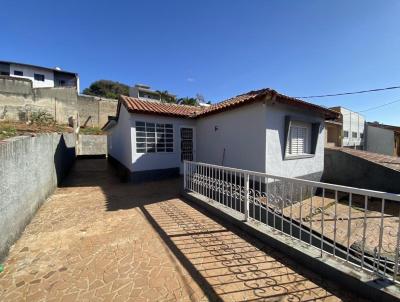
(218, 48)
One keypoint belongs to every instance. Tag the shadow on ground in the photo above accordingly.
(226, 263)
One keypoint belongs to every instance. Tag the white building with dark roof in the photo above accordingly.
(40, 76)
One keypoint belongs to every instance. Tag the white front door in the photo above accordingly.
(187, 135)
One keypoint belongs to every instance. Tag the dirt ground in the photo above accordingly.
(10, 129)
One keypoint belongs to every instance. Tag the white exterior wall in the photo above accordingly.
(352, 122)
(380, 140)
(162, 160)
(241, 132)
(275, 144)
(252, 136)
(29, 74)
(119, 139)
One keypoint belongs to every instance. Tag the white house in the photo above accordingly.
(41, 77)
(142, 91)
(260, 130)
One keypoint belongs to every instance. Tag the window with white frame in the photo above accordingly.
(298, 140)
(154, 137)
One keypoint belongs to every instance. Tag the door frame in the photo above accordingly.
(180, 144)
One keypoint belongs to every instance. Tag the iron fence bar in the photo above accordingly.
(246, 199)
(260, 198)
(207, 183)
(230, 180)
(240, 192)
(266, 199)
(381, 233)
(282, 203)
(311, 214)
(397, 251)
(300, 214)
(364, 230)
(335, 224)
(254, 198)
(322, 221)
(291, 211)
(223, 187)
(349, 227)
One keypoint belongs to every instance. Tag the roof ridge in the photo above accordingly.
(137, 105)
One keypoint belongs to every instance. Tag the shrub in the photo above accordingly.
(42, 118)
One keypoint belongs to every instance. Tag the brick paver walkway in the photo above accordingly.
(99, 240)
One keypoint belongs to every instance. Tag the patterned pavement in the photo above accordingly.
(97, 239)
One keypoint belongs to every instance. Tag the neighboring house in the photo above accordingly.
(144, 92)
(260, 130)
(383, 139)
(41, 77)
(352, 129)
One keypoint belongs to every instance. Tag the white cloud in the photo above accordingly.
(191, 80)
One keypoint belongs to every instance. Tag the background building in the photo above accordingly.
(144, 92)
(41, 77)
(353, 125)
(383, 139)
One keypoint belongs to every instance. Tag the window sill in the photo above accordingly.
(290, 157)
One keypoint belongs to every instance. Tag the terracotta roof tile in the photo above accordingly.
(140, 106)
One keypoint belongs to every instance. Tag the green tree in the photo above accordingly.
(187, 101)
(166, 97)
(107, 89)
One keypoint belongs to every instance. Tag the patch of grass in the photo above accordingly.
(7, 131)
(91, 131)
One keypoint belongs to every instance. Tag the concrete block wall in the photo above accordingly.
(92, 145)
(30, 170)
(15, 85)
(94, 111)
(345, 169)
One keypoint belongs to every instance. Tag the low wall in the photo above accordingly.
(15, 85)
(344, 169)
(92, 145)
(30, 170)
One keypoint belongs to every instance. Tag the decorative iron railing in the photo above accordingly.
(357, 225)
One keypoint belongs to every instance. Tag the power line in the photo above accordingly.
(373, 108)
(347, 93)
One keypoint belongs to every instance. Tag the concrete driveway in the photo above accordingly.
(97, 239)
